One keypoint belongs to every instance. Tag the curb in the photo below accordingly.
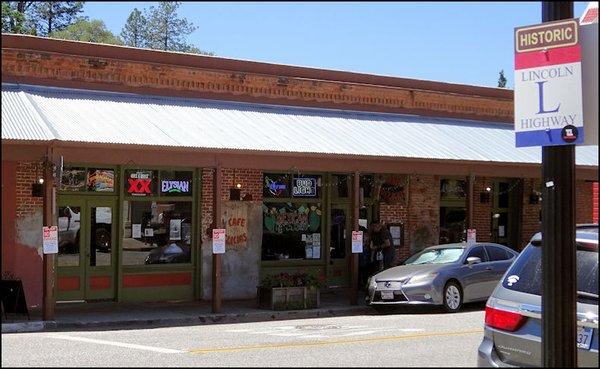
(202, 319)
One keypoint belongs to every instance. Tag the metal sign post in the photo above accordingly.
(559, 278)
(549, 113)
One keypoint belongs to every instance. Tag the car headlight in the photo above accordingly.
(420, 278)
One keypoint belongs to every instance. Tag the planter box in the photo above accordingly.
(288, 298)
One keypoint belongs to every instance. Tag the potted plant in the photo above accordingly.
(286, 291)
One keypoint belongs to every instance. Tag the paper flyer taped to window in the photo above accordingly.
(136, 231)
(149, 232)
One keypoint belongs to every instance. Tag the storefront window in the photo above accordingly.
(80, 179)
(291, 230)
(68, 235)
(157, 232)
(339, 186)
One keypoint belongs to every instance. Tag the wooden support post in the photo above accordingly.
(216, 259)
(470, 201)
(49, 219)
(354, 262)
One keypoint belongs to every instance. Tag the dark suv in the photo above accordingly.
(512, 332)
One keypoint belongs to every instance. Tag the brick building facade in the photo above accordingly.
(72, 65)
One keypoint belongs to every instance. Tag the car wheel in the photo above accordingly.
(452, 297)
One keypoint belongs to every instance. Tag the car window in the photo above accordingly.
(525, 274)
(479, 252)
(435, 256)
(497, 253)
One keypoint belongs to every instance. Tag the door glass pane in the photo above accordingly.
(68, 235)
(100, 235)
(337, 246)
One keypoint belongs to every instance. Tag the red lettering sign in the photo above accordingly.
(139, 186)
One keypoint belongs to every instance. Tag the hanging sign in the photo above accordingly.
(304, 187)
(50, 240)
(218, 241)
(548, 89)
(471, 235)
(357, 242)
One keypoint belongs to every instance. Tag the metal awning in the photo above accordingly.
(34, 113)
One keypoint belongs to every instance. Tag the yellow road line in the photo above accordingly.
(331, 342)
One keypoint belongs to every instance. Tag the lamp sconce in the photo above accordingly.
(37, 189)
(234, 194)
(535, 197)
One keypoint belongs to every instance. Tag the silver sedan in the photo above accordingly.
(448, 275)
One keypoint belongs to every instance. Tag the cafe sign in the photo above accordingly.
(548, 89)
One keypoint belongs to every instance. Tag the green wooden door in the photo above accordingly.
(339, 245)
(87, 248)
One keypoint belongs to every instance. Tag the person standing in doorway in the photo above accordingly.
(381, 246)
(364, 260)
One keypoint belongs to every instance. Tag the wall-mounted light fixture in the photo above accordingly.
(236, 189)
(535, 197)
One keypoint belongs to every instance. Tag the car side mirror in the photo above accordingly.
(473, 260)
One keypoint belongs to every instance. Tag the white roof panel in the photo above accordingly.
(42, 113)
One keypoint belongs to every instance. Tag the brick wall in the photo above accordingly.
(27, 174)
(250, 179)
(531, 220)
(595, 203)
(424, 212)
(482, 211)
(583, 202)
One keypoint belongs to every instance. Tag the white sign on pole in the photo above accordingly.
(548, 89)
(50, 240)
(471, 235)
(218, 241)
(357, 242)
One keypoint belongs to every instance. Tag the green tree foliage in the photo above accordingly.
(134, 32)
(16, 17)
(50, 16)
(88, 30)
(502, 79)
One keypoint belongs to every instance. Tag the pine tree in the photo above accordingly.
(502, 79)
(166, 31)
(134, 32)
(52, 16)
(17, 17)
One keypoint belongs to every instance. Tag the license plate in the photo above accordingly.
(584, 337)
(389, 295)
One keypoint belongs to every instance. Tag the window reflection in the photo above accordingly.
(68, 235)
(100, 235)
(157, 232)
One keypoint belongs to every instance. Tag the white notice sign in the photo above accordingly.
(50, 240)
(357, 242)
(218, 241)
(136, 231)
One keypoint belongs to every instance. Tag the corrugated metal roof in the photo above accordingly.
(42, 113)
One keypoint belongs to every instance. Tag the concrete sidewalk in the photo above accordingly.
(111, 315)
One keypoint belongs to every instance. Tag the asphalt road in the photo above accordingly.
(406, 338)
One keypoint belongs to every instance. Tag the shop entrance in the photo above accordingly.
(86, 249)
(339, 245)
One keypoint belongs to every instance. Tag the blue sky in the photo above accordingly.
(458, 42)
